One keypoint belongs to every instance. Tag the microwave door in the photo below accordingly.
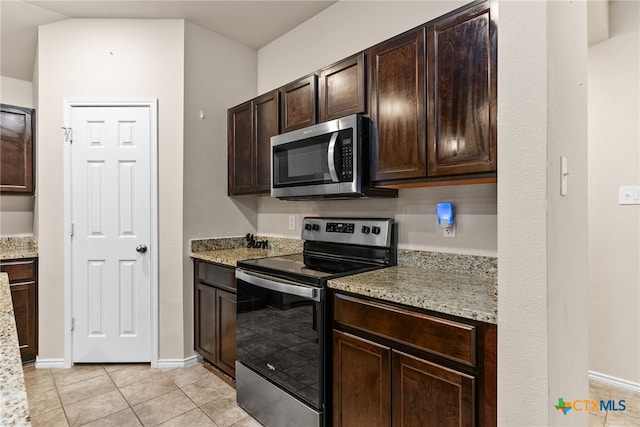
(331, 157)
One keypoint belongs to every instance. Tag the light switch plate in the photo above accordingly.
(629, 194)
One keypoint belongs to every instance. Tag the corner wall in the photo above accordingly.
(219, 73)
(542, 332)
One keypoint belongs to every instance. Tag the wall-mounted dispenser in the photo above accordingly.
(446, 219)
(445, 214)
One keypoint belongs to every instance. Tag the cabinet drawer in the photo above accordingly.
(446, 338)
(217, 275)
(19, 270)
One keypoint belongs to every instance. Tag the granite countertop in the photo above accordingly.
(14, 409)
(459, 285)
(230, 250)
(18, 247)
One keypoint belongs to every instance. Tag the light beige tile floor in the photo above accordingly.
(630, 417)
(131, 395)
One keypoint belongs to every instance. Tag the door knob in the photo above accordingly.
(141, 248)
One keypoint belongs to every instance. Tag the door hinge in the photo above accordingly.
(68, 134)
(71, 230)
(73, 323)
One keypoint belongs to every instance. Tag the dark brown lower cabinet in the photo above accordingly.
(428, 394)
(396, 367)
(24, 293)
(361, 382)
(215, 314)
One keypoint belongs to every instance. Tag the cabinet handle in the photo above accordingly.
(23, 346)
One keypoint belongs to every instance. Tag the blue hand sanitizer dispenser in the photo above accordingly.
(445, 214)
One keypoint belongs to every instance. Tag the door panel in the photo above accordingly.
(361, 382)
(111, 213)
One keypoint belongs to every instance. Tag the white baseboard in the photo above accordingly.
(49, 363)
(614, 382)
(178, 363)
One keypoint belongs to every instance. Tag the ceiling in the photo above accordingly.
(253, 23)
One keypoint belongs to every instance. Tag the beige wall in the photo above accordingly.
(414, 210)
(614, 230)
(16, 211)
(541, 243)
(219, 73)
(567, 244)
(92, 58)
(355, 26)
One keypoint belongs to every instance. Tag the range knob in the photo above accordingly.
(366, 229)
(315, 227)
(375, 230)
(307, 227)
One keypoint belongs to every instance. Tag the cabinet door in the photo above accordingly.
(24, 294)
(240, 149)
(17, 131)
(298, 104)
(342, 89)
(205, 321)
(462, 93)
(25, 309)
(267, 122)
(226, 331)
(361, 382)
(397, 91)
(427, 394)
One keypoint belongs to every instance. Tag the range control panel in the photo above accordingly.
(354, 231)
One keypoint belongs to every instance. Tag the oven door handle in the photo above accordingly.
(331, 157)
(280, 285)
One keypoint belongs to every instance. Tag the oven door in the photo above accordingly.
(280, 336)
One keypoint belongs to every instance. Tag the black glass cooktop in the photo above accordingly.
(293, 267)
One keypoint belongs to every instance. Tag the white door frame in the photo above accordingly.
(152, 104)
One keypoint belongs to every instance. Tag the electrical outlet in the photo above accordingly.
(449, 232)
(292, 222)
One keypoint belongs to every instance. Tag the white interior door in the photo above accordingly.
(111, 216)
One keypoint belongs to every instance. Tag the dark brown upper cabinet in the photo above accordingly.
(17, 135)
(250, 127)
(397, 107)
(298, 104)
(266, 117)
(462, 83)
(342, 89)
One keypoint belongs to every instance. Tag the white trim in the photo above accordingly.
(178, 363)
(50, 363)
(152, 104)
(614, 382)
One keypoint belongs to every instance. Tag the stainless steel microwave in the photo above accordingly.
(327, 160)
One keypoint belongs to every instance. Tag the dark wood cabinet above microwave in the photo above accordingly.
(342, 90)
(298, 104)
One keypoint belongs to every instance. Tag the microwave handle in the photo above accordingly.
(331, 156)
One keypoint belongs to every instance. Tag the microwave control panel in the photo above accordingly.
(346, 171)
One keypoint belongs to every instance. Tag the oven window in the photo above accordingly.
(278, 335)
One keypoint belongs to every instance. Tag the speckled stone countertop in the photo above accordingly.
(18, 247)
(14, 409)
(230, 250)
(460, 285)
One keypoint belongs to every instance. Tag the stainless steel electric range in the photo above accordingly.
(283, 332)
